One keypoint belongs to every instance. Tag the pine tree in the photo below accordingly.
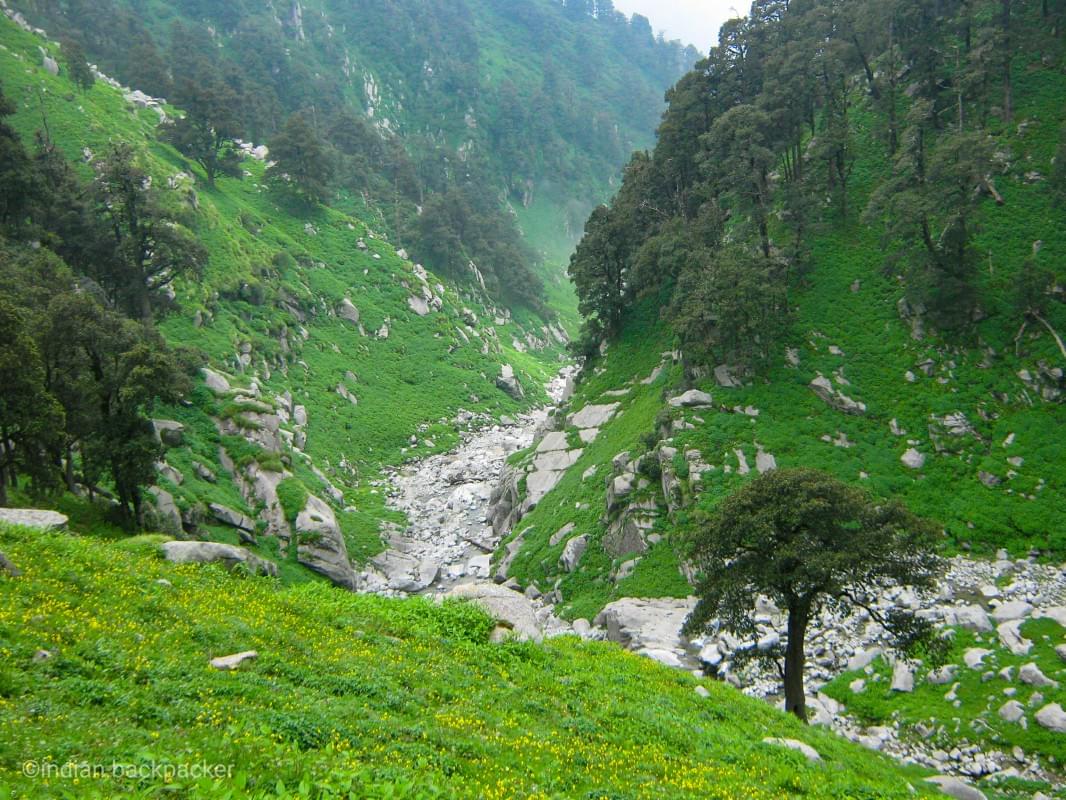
(300, 160)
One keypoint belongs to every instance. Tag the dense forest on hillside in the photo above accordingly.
(760, 151)
(417, 108)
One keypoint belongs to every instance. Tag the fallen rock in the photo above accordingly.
(215, 381)
(8, 567)
(234, 661)
(902, 677)
(1010, 636)
(953, 787)
(793, 744)
(638, 623)
(1052, 717)
(693, 398)
(823, 387)
(37, 519)
(228, 555)
(513, 609)
(912, 459)
(1030, 673)
(572, 553)
(509, 383)
(320, 544)
(232, 518)
(1012, 711)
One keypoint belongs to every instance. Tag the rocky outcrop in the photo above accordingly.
(38, 519)
(168, 432)
(509, 383)
(227, 555)
(320, 544)
(834, 398)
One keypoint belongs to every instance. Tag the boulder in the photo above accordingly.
(227, 555)
(1030, 673)
(1014, 609)
(37, 519)
(320, 544)
(572, 553)
(1052, 717)
(168, 515)
(234, 661)
(215, 381)
(667, 658)
(1012, 711)
(975, 656)
(418, 305)
(953, 787)
(347, 311)
(912, 459)
(593, 416)
(653, 624)
(863, 658)
(232, 518)
(1010, 636)
(823, 387)
(723, 375)
(169, 432)
(693, 398)
(902, 677)
(540, 483)
(972, 618)
(512, 609)
(8, 568)
(620, 487)
(553, 442)
(794, 744)
(509, 383)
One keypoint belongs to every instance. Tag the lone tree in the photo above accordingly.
(806, 540)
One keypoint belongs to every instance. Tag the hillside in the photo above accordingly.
(356, 696)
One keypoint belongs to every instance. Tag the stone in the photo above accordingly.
(1014, 609)
(723, 375)
(582, 627)
(1030, 673)
(864, 658)
(540, 483)
(667, 658)
(823, 387)
(1012, 711)
(702, 691)
(347, 311)
(215, 381)
(975, 656)
(508, 383)
(593, 416)
(572, 553)
(556, 460)
(793, 744)
(1010, 636)
(902, 677)
(1052, 717)
(620, 487)
(169, 432)
(693, 398)
(764, 462)
(552, 442)
(234, 661)
(320, 544)
(37, 519)
(203, 473)
(6, 567)
(168, 515)
(942, 676)
(561, 534)
(299, 415)
(228, 555)
(857, 686)
(972, 618)
(953, 787)
(512, 609)
(231, 517)
(639, 623)
(479, 566)
(912, 459)
(418, 305)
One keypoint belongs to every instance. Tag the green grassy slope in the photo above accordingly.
(268, 257)
(356, 696)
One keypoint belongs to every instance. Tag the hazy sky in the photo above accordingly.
(694, 22)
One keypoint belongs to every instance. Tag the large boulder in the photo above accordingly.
(169, 432)
(215, 381)
(38, 519)
(232, 517)
(651, 624)
(512, 609)
(572, 553)
(168, 516)
(595, 416)
(509, 383)
(953, 787)
(228, 555)
(320, 544)
(693, 398)
(1052, 717)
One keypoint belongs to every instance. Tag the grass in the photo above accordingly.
(359, 696)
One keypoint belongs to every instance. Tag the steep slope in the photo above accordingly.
(337, 354)
(356, 696)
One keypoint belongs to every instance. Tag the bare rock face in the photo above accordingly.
(646, 624)
(320, 544)
(227, 555)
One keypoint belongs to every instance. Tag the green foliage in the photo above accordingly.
(292, 495)
(300, 160)
(81, 75)
(336, 703)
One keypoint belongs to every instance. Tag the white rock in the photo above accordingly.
(693, 398)
(974, 656)
(913, 459)
(792, 744)
(902, 677)
(1012, 711)
(1030, 673)
(667, 658)
(1014, 609)
(1052, 717)
(234, 661)
(953, 787)
(702, 692)
(1010, 637)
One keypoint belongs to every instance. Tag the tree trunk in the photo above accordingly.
(795, 661)
(68, 471)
